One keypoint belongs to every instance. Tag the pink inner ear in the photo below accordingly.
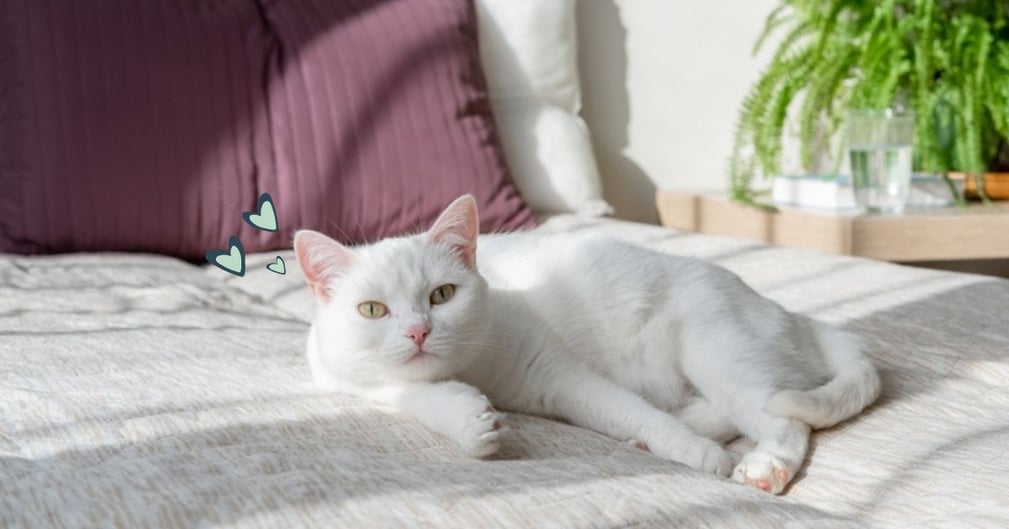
(459, 226)
(322, 260)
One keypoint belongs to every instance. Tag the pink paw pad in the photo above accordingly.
(497, 420)
(761, 484)
(640, 445)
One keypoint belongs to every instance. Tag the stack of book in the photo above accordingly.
(837, 193)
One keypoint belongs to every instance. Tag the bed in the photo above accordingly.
(141, 390)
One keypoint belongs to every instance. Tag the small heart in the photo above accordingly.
(231, 261)
(278, 266)
(265, 218)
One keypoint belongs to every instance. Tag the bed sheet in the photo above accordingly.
(144, 391)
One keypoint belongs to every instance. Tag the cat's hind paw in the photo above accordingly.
(482, 433)
(763, 471)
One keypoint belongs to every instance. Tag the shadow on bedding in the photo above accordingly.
(957, 334)
(933, 447)
(356, 468)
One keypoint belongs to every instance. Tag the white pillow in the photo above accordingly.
(528, 50)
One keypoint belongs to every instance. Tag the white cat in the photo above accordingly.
(667, 351)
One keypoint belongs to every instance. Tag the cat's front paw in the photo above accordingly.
(481, 434)
(705, 455)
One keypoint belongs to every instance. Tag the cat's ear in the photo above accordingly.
(322, 260)
(459, 226)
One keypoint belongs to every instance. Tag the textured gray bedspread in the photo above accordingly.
(142, 391)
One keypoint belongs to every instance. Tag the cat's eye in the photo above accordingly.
(442, 294)
(372, 310)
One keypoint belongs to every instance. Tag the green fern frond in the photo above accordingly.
(776, 19)
(996, 89)
(822, 98)
(949, 60)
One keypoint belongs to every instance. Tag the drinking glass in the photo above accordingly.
(880, 145)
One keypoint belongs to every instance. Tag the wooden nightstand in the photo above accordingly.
(933, 234)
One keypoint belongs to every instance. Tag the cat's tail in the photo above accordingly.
(855, 384)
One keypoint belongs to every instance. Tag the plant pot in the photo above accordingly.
(996, 185)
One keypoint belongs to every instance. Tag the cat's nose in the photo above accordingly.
(418, 333)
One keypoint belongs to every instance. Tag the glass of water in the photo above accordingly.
(880, 146)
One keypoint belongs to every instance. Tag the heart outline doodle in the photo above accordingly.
(234, 252)
(265, 216)
(279, 263)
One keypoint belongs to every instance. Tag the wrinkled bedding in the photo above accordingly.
(142, 391)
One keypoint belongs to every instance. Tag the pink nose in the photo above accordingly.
(418, 333)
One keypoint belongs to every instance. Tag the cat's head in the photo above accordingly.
(408, 308)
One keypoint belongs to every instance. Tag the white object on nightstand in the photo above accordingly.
(838, 194)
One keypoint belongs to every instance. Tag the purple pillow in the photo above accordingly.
(151, 126)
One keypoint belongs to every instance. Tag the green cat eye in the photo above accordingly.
(372, 310)
(442, 294)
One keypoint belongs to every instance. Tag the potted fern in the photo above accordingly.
(945, 60)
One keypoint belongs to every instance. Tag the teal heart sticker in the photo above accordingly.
(265, 216)
(278, 266)
(232, 260)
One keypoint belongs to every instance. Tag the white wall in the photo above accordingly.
(662, 81)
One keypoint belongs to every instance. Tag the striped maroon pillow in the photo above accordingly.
(151, 126)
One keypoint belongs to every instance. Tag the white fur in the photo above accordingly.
(667, 351)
